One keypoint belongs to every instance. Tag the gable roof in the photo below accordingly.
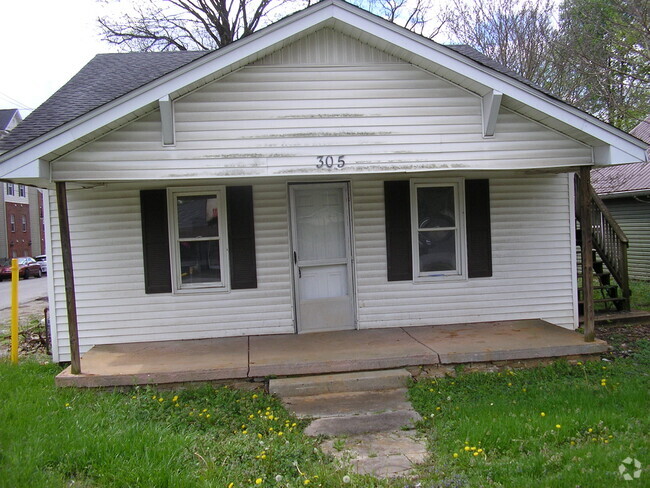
(54, 129)
(627, 179)
(6, 116)
(106, 77)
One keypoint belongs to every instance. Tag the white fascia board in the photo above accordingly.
(608, 155)
(326, 12)
(37, 169)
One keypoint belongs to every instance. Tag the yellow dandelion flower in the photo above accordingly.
(524, 390)
(258, 481)
(259, 436)
(480, 450)
(610, 436)
(467, 443)
(191, 413)
(543, 414)
(161, 399)
(509, 384)
(606, 441)
(473, 448)
(294, 424)
(263, 456)
(270, 429)
(467, 448)
(230, 485)
(204, 410)
(306, 482)
(455, 454)
(134, 397)
(175, 399)
(280, 433)
(201, 414)
(476, 454)
(177, 405)
(590, 430)
(573, 443)
(207, 416)
(268, 408)
(244, 432)
(579, 363)
(154, 397)
(558, 426)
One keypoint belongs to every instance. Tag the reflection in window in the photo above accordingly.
(199, 254)
(437, 229)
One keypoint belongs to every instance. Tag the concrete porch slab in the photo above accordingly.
(160, 362)
(502, 341)
(335, 352)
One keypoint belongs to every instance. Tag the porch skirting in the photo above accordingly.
(320, 353)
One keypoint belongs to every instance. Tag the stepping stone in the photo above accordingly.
(384, 454)
(361, 424)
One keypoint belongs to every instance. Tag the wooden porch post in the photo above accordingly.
(587, 253)
(68, 276)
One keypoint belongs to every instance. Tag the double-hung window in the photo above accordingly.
(437, 226)
(198, 238)
(21, 191)
(10, 189)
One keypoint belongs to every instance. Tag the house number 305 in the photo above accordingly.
(329, 161)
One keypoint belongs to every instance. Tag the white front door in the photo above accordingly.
(322, 257)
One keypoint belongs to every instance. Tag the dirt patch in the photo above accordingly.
(623, 338)
(32, 337)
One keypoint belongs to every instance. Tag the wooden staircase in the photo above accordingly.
(611, 282)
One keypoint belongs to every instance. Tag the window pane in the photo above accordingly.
(198, 216)
(437, 250)
(320, 221)
(436, 207)
(200, 262)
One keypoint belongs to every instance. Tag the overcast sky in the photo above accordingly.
(44, 43)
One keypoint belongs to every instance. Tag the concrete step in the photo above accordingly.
(339, 383)
(347, 404)
(363, 424)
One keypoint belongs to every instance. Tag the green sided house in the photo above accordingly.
(330, 172)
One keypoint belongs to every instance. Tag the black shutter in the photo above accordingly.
(397, 203)
(479, 239)
(155, 241)
(241, 237)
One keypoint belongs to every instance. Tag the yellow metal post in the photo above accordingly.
(14, 311)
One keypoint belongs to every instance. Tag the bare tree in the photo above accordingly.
(179, 25)
(171, 25)
(516, 33)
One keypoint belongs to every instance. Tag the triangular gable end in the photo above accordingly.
(611, 145)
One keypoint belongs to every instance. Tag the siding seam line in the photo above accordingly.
(422, 343)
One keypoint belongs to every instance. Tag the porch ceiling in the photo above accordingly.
(328, 352)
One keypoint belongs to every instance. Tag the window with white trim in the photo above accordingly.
(10, 189)
(24, 222)
(437, 225)
(12, 222)
(198, 238)
(21, 190)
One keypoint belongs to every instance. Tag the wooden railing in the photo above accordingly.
(609, 241)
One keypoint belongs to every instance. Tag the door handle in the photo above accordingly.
(295, 258)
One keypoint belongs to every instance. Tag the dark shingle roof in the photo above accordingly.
(481, 58)
(105, 78)
(6, 114)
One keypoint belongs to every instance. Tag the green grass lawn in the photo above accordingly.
(209, 436)
(640, 299)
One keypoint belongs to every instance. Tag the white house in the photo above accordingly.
(331, 171)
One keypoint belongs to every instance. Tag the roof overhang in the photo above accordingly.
(611, 145)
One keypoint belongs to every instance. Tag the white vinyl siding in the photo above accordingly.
(532, 277)
(276, 119)
(531, 252)
(109, 276)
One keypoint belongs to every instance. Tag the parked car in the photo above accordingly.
(42, 261)
(27, 267)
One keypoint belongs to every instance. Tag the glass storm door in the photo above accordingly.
(321, 257)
